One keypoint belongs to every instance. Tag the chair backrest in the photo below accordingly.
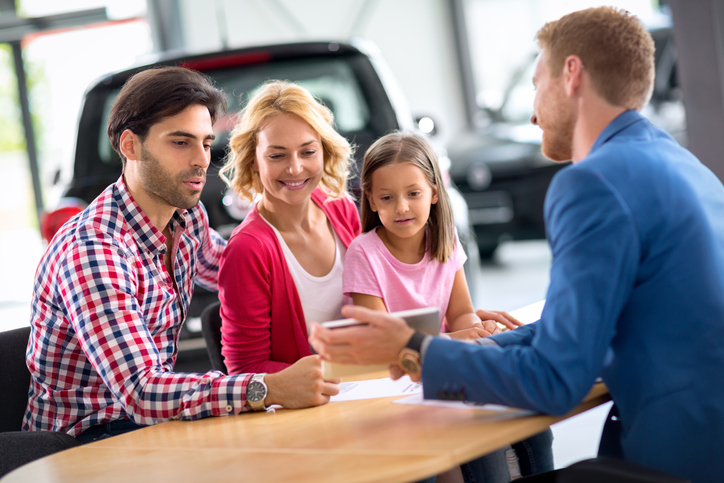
(211, 329)
(14, 378)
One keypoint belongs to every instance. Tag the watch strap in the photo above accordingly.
(415, 342)
(258, 405)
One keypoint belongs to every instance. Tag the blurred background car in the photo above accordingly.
(499, 169)
(350, 78)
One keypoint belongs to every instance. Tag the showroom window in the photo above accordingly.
(499, 83)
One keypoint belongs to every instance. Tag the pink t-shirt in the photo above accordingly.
(370, 268)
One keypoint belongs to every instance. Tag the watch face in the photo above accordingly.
(255, 391)
(410, 366)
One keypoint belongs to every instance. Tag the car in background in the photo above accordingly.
(350, 78)
(500, 170)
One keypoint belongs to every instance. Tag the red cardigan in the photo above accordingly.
(263, 326)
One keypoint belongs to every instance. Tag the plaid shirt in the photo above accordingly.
(106, 319)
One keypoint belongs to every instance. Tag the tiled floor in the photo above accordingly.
(517, 276)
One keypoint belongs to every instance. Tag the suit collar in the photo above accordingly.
(624, 120)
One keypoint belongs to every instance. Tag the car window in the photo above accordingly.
(330, 80)
(518, 101)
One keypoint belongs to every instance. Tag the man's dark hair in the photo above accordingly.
(153, 94)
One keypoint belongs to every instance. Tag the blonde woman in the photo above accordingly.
(282, 268)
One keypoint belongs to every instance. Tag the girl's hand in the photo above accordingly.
(501, 317)
(479, 329)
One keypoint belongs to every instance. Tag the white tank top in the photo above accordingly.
(321, 297)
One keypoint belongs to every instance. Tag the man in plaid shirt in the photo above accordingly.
(113, 288)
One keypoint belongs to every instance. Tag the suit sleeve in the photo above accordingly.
(245, 291)
(550, 367)
(520, 336)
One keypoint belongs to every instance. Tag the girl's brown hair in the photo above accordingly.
(407, 147)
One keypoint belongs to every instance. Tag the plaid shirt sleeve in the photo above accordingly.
(209, 255)
(98, 282)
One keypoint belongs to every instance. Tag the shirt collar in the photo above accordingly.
(143, 231)
(622, 121)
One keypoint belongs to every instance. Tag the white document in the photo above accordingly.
(529, 313)
(374, 388)
(417, 399)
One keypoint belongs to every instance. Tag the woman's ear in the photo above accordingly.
(434, 195)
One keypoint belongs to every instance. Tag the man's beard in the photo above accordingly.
(163, 186)
(558, 142)
(558, 124)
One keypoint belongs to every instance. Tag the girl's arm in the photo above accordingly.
(462, 322)
(460, 312)
(369, 301)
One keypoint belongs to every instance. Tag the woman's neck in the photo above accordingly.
(409, 250)
(285, 217)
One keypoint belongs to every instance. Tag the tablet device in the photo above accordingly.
(425, 320)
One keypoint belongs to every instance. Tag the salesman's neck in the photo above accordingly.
(593, 116)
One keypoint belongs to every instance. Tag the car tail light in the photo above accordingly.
(227, 61)
(51, 221)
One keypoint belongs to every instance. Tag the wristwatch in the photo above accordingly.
(409, 357)
(256, 392)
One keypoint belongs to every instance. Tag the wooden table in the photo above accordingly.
(353, 441)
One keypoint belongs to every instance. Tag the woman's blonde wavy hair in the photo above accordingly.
(277, 97)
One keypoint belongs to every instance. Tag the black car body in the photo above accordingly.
(346, 77)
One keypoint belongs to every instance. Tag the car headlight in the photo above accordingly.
(479, 176)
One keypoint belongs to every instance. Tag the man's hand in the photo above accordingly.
(300, 385)
(379, 342)
(397, 372)
(498, 316)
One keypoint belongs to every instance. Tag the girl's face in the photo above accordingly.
(402, 198)
(289, 159)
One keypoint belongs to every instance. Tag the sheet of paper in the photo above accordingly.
(417, 399)
(351, 391)
(529, 313)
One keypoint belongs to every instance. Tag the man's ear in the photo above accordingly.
(130, 145)
(572, 74)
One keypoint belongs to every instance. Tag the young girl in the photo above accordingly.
(408, 255)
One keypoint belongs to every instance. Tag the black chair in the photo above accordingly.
(14, 378)
(19, 447)
(604, 470)
(211, 330)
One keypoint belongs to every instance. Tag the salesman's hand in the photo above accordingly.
(300, 385)
(379, 342)
(499, 316)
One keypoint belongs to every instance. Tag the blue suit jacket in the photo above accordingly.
(636, 296)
